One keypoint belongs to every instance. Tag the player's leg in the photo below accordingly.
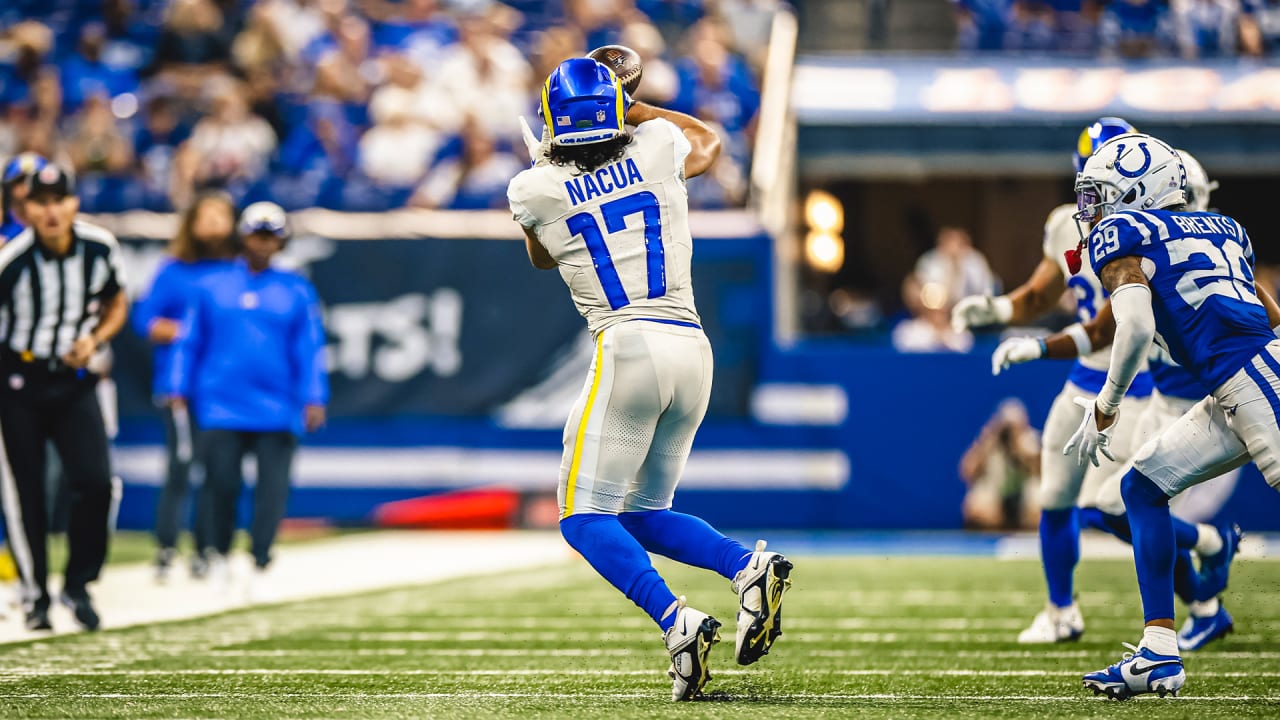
(606, 439)
(1197, 447)
(684, 388)
(1061, 477)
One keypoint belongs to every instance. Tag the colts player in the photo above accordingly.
(1064, 481)
(1184, 279)
(609, 209)
(1176, 391)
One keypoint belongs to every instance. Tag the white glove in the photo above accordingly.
(1088, 438)
(977, 310)
(1015, 351)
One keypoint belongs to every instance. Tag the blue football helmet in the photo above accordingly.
(22, 166)
(583, 102)
(1092, 138)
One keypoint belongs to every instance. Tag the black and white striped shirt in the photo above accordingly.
(46, 302)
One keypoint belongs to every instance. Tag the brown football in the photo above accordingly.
(623, 61)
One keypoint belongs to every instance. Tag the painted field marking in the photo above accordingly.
(612, 696)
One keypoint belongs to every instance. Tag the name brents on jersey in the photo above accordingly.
(615, 176)
(1205, 224)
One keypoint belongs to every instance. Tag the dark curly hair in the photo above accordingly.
(589, 157)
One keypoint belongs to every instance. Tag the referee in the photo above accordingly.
(61, 297)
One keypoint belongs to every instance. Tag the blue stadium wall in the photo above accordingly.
(453, 363)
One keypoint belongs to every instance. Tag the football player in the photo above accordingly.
(1065, 483)
(1184, 279)
(607, 207)
(1176, 391)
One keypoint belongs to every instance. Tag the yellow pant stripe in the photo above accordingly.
(582, 428)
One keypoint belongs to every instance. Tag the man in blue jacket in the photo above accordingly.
(251, 366)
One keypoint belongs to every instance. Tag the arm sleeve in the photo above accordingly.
(309, 349)
(178, 381)
(1135, 327)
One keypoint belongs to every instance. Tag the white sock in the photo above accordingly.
(1209, 542)
(1162, 641)
(1208, 608)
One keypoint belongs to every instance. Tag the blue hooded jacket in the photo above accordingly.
(251, 355)
(167, 298)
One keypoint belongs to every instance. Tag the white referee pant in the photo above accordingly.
(629, 435)
(1239, 422)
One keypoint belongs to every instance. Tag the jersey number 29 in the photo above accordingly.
(615, 213)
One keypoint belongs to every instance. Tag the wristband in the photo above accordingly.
(1080, 337)
(1044, 347)
(1276, 330)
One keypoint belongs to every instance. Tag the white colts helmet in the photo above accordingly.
(1130, 172)
(1198, 183)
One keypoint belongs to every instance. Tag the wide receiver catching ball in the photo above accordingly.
(623, 61)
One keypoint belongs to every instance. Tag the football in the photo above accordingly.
(623, 61)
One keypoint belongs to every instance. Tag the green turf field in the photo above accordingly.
(865, 637)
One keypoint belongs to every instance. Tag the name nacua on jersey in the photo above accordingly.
(620, 233)
(611, 178)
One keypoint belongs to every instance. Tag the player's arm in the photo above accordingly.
(704, 141)
(1269, 302)
(1135, 327)
(1025, 303)
(1074, 341)
(538, 254)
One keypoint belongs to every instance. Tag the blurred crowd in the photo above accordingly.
(359, 105)
(1121, 28)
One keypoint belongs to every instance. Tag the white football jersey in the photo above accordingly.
(1062, 233)
(620, 233)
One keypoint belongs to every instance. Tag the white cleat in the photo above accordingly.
(689, 642)
(760, 586)
(1054, 625)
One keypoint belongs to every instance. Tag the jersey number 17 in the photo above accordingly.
(615, 214)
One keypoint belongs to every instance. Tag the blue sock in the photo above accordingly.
(1059, 552)
(1185, 534)
(1117, 525)
(619, 559)
(1154, 551)
(1186, 581)
(686, 539)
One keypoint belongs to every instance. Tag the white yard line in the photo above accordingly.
(469, 695)
(550, 672)
(128, 596)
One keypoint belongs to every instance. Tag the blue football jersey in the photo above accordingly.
(1174, 381)
(1200, 267)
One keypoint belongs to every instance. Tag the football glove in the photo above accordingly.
(1015, 351)
(978, 310)
(1088, 438)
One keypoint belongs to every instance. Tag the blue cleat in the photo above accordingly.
(1216, 569)
(1138, 673)
(1197, 632)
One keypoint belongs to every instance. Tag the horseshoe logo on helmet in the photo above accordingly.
(1146, 161)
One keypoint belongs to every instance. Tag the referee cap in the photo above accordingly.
(51, 180)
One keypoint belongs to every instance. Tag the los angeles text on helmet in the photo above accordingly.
(611, 177)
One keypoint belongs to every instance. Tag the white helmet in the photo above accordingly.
(1198, 183)
(264, 217)
(1134, 171)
